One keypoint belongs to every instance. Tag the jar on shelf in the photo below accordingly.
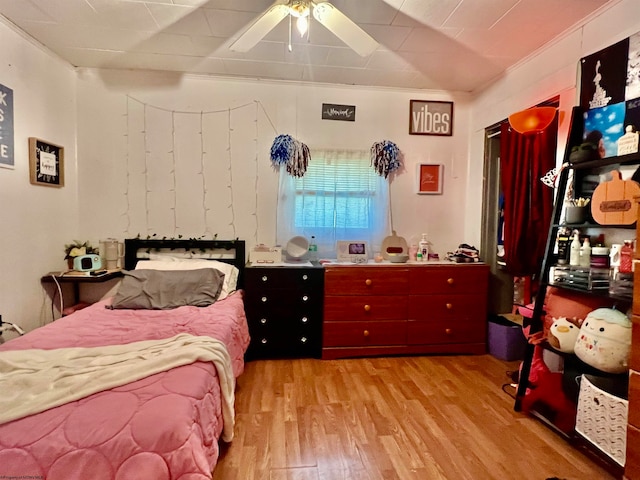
(626, 257)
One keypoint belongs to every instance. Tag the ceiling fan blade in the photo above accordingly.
(345, 29)
(263, 25)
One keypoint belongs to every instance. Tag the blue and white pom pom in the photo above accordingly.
(282, 150)
(385, 157)
(288, 151)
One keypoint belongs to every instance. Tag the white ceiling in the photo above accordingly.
(430, 44)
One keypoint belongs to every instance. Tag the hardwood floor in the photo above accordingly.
(422, 418)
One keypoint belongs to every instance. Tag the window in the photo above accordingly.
(340, 197)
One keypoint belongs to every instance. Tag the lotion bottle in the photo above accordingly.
(423, 247)
(574, 256)
(585, 253)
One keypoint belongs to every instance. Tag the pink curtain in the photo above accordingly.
(528, 203)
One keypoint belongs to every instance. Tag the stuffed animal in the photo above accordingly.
(604, 341)
(563, 334)
(545, 386)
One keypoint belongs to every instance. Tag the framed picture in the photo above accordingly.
(430, 118)
(46, 163)
(430, 179)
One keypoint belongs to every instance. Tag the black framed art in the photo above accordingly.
(46, 163)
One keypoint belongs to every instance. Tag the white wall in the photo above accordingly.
(552, 71)
(35, 221)
(231, 190)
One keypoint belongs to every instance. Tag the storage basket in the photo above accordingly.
(505, 338)
(602, 419)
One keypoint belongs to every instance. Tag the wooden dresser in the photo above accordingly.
(409, 308)
(284, 311)
(632, 464)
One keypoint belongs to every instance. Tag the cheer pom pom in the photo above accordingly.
(385, 157)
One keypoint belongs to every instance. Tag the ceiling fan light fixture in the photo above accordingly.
(299, 8)
(302, 25)
(532, 120)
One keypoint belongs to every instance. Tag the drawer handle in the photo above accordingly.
(303, 340)
(264, 278)
(449, 306)
(305, 277)
(304, 319)
(450, 281)
(447, 331)
(367, 308)
(263, 321)
(264, 299)
(368, 282)
(263, 341)
(366, 333)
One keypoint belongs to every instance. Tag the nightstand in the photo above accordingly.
(76, 280)
(284, 311)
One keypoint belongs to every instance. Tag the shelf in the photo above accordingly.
(592, 225)
(597, 293)
(60, 277)
(604, 162)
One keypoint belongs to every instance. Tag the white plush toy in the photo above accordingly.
(604, 341)
(563, 334)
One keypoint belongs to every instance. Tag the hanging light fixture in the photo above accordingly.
(300, 9)
(532, 120)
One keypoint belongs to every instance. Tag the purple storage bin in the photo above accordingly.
(506, 340)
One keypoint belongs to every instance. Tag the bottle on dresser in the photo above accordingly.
(313, 249)
(423, 247)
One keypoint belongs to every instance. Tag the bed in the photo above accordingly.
(167, 424)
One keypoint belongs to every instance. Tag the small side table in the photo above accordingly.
(76, 280)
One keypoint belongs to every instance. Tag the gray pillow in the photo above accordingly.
(164, 289)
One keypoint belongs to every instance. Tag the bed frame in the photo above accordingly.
(228, 251)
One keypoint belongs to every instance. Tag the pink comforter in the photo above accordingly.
(165, 426)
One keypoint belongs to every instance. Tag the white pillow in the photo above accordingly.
(172, 263)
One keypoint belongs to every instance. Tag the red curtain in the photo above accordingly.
(528, 203)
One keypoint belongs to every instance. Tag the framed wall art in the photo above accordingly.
(430, 118)
(46, 163)
(430, 179)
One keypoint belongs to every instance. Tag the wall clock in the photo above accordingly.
(46, 163)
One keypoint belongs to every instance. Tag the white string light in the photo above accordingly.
(255, 212)
(230, 186)
(126, 160)
(173, 173)
(205, 209)
(146, 168)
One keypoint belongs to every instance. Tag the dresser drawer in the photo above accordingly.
(420, 332)
(632, 464)
(364, 307)
(448, 279)
(273, 346)
(298, 321)
(634, 398)
(289, 278)
(447, 307)
(364, 334)
(634, 361)
(281, 302)
(360, 280)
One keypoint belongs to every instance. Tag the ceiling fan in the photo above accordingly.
(324, 12)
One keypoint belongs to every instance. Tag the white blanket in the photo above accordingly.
(34, 380)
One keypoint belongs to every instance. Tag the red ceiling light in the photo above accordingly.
(532, 120)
